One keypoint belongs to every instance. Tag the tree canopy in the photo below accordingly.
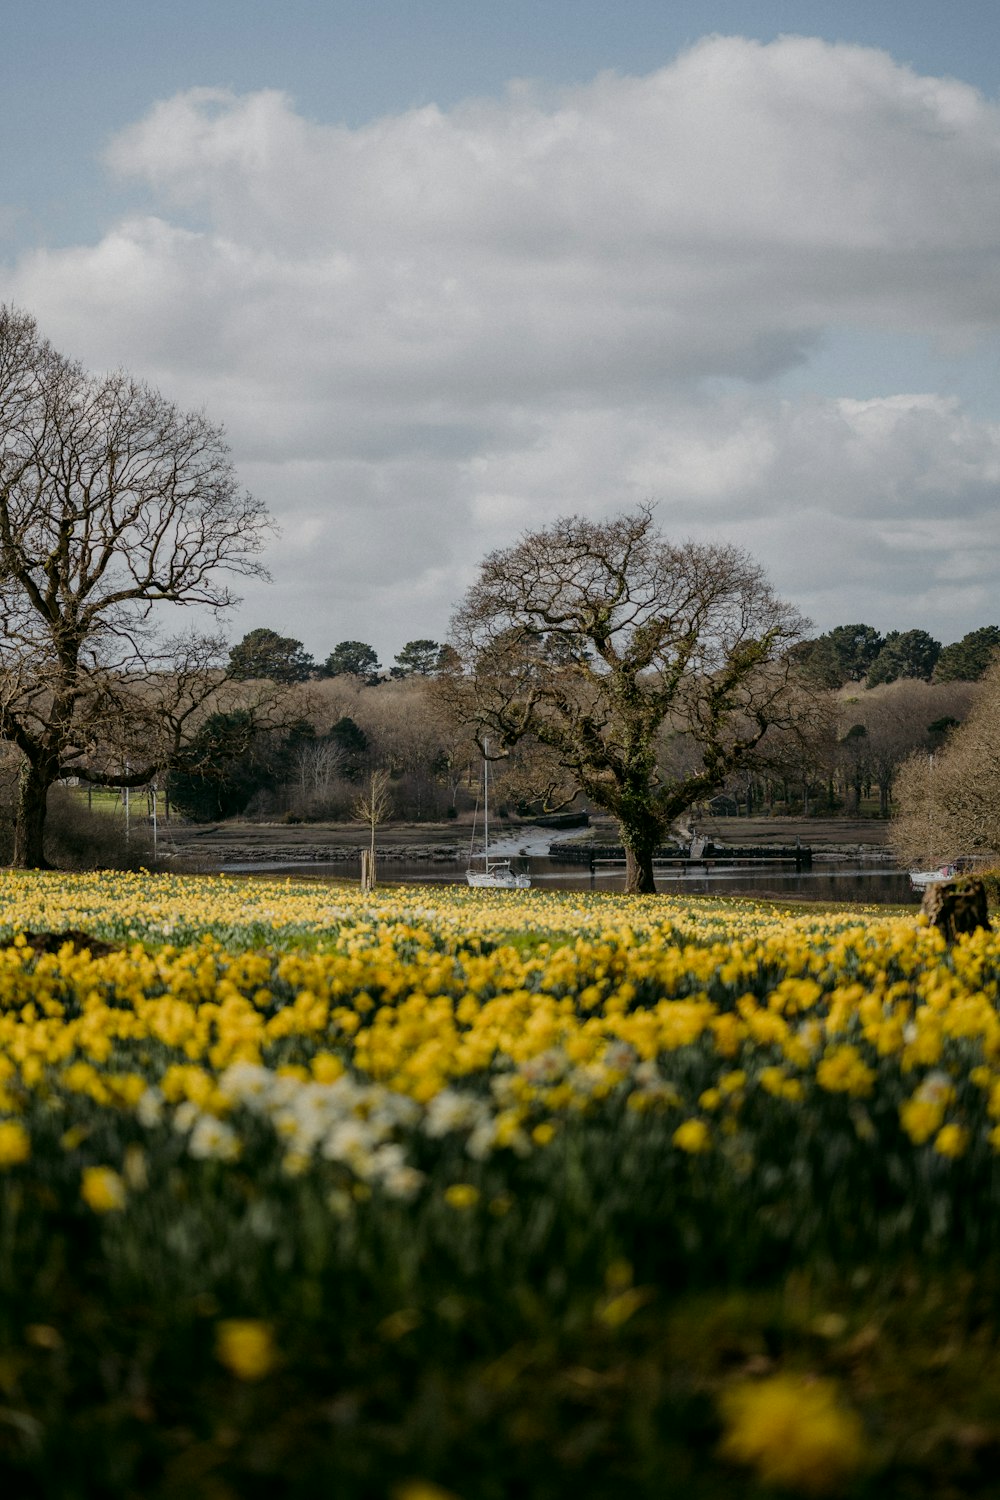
(912, 653)
(114, 507)
(970, 658)
(265, 653)
(219, 770)
(841, 655)
(419, 658)
(354, 658)
(595, 639)
(352, 742)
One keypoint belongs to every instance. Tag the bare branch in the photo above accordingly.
(115, 506)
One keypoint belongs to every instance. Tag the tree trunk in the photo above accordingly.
(639, 872)
(640, 841)
(29, 818)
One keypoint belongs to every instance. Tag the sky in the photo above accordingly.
(448, 271)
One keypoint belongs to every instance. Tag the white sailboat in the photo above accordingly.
(921, 879)
(495, 874)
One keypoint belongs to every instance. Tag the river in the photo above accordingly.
(873, 884)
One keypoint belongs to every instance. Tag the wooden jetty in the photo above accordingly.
(591, 855)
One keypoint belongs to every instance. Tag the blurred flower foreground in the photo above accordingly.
(470, 1195)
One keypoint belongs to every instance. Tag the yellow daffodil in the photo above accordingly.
(246, 1347)
(794, 1433)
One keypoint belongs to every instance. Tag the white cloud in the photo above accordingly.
(879, 501)
(432, 331)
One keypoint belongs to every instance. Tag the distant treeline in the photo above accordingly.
(857, 653)
(888, 696)
(263, 653)
(847, 653)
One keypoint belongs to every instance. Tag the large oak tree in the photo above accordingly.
(115, 508)
(596, 641)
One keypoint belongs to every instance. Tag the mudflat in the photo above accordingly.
(817, 833)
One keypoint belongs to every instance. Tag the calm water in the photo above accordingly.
(868, 883)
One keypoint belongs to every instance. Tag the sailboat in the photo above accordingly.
(495, 874)
(921, 879)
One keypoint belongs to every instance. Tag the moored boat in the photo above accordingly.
(496, 874)
(921, 879)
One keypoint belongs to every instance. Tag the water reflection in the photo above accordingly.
(874, 884)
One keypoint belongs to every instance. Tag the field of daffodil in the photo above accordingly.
(461, 1194)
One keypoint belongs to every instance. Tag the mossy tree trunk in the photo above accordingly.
(29, 816)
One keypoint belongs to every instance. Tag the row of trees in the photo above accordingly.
(845, 654)
(595, 658)
(822, 750)
(334, 735)
(855, 759)
(857, 653)
(264, 653)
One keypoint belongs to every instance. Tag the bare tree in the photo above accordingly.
(373, 806)
(317, 764)
(113, 505)
(949, 802)
(593, 638)
(856, 760)
(878, 729)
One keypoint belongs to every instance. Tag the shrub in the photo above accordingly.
(81, 838)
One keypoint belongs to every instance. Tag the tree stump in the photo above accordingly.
(956, 906)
